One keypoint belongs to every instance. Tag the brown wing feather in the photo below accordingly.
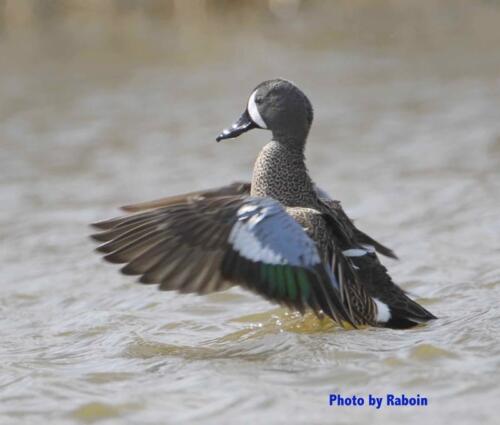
(352, 231)
(233, 189)
(363, 278)
(185, 247)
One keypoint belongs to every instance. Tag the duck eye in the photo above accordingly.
(258, 100)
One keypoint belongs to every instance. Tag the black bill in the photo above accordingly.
(241, 126)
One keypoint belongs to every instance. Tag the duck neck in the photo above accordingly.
(280, 172)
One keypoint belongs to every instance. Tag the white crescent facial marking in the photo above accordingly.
(254, 111)
(383, 312)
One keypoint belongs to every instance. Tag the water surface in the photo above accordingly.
(406, 134)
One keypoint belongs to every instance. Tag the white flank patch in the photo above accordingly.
(383, 312)
(254, 111)
(245, 242)
(369, 248)
(354, 252)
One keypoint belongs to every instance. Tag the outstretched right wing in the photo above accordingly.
(361, 237)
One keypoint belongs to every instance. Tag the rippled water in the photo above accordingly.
(406, 134)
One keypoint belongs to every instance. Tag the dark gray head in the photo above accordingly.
(278, 106)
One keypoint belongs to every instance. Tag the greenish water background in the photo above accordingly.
(107, 103)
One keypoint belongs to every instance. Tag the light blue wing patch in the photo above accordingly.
(265, 232)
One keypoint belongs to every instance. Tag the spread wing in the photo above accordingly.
(233, 189)
(360, 237)
(365, 286)
(204, 244)
(243, 188)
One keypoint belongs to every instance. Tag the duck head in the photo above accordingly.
(275, 105)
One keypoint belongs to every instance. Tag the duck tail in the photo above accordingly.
(404, 314)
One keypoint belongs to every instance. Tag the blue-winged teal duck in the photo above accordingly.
(279, 236)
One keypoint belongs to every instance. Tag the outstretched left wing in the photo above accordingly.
(206, 244)
(233, 189)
